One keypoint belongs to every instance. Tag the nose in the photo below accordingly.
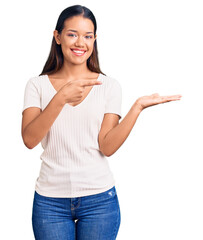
(79, 42)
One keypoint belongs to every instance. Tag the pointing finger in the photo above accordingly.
(90, 82)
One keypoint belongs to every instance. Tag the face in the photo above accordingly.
(76, 39)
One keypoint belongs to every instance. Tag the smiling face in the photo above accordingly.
(76, 39)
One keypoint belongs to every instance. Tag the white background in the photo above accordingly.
(149, 47)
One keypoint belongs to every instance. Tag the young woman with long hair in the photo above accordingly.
(74, 109)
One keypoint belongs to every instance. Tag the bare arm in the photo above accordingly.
(117, 135)
(111, 141)
(36, 124)
(34, 131)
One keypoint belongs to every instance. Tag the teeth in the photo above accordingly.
(78, 51)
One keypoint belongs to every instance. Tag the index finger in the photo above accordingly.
(90, 82)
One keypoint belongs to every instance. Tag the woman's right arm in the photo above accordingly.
(36, 123)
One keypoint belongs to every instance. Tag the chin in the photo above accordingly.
(78, 62)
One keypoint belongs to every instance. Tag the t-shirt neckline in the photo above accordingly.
(84, 100)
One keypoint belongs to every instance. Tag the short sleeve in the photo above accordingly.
(31, 95)
(114, 99)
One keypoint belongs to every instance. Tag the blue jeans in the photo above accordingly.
(93, 217)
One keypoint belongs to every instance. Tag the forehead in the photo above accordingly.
(79, 24)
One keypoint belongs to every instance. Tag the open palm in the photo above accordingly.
(154, 99)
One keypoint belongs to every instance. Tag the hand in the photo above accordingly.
(73, 91)
(154, 99)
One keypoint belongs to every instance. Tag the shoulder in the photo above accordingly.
(35, 84)
(36, 80)
(109, 81)
(110, 84)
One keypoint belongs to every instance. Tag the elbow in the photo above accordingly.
(105, 148)
(109, 154)
(27, 142)
(105, 152)
(28, 145)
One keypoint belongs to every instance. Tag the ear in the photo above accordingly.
(57, 37)
(95, 37)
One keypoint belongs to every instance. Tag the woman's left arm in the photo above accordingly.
(112, 137)
(113, 134)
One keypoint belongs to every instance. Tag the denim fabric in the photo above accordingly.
(93, 217)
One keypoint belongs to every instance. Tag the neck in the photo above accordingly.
(72, 71)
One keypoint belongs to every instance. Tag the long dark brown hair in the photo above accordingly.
(55, 58)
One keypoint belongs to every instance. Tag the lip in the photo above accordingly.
(77, 49)
(78, 54)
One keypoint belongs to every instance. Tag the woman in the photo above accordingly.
(74, 109)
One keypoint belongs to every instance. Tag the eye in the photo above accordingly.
(71, 35)
(88, 37)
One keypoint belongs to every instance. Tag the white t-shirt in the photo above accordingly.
(72, 164)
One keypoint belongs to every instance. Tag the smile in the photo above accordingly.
(77, 52)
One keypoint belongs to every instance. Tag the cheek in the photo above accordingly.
(90, 46)
(65, 46)
(69, 43)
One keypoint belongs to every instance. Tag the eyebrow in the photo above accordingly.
(76, 31)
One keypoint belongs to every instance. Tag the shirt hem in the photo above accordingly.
(75, 194)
